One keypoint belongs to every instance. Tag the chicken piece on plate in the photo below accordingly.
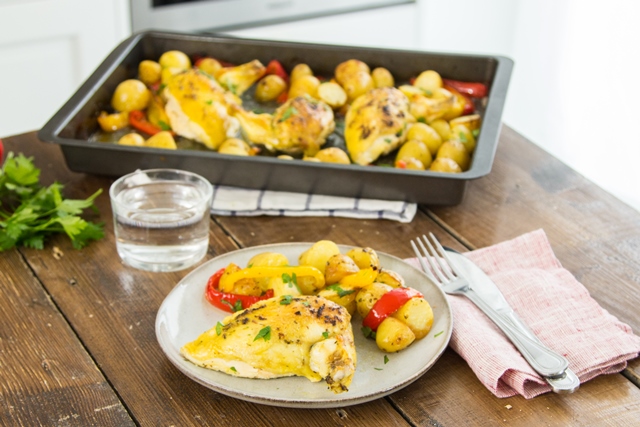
(306, 336)
(301, 124)
(199, 109)
(376, 124)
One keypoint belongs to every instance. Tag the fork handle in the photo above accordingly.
(543, 360)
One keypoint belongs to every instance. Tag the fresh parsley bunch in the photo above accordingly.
(29, 212)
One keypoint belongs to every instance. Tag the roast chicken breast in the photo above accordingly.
(301, 124)
(307, 336)
(376, 124)
(199, 109)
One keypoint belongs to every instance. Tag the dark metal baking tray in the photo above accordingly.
(73, 125)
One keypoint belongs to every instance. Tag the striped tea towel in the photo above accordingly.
(234, 201)
(555, 306)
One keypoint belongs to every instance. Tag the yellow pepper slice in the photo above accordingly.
(362, 278)
(230, 277)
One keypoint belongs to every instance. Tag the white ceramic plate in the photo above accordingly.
(185, 314)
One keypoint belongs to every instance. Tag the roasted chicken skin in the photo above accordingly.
(376, 124)
(301, 124)
(306, 336)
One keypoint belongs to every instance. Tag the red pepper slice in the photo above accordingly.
(282, 98)
(138, 119)
(474, 90)
(387, 305)
(275, 67)
(227, 301)
(1, 152)
(469, 108)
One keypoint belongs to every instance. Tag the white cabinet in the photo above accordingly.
(47, 49)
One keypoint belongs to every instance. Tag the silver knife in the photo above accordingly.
(485, 294)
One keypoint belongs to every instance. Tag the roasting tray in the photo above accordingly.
(75, 123)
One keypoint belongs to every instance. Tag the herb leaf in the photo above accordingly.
(291, 111)
(219, 327)
(386, 359)
(341, 292)
(325, 334)
(265, 334)
(285, 300)
(438, 334)
(368, 332)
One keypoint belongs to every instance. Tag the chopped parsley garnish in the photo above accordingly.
(291, 280)
(368, 332)
(233, 88)
(291, 111)
(325, 334)
(265, 334)
(438, 334)
(285, 300)
(258, 111)
(341, 292)
(386, 359)
(422, 120)
(463, 137)
(233, 369)
(387, 140)
(427, 92)
(209, 102)
(234, 307)
(219, 327)
(164, 125)
(305, 303)
(378, 369)
(475, 132)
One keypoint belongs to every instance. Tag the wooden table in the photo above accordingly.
(78, 347)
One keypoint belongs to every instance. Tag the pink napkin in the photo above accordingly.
(555, 306)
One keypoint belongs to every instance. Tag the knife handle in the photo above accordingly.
(542, 359)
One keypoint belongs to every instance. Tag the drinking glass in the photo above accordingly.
(161, 218)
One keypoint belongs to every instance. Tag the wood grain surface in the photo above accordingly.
(104, 312)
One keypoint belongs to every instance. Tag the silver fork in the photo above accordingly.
(443, 272)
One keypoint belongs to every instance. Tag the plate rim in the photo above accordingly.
(342, 400)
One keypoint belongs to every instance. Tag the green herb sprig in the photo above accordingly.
(29, 213)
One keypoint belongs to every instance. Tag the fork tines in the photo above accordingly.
(438, 260)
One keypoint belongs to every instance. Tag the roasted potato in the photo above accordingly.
(318, 254)
(149, 72)
(298, 71)
(342, 295)
(113, 122)
(333, 155)
(235, 146)
(132, 138)
(416, 150)
(332, 94)
(281, 288)
(162, 139)
(445, 164)
(390, 277)
(369, 295)
(304, 85)
(268, 259)
(456, 151)
(394, 335)
(472, 121)
(355, 78)
(339, 266)
(462, 133)
(443, 128)
(382, 77)
(429, 81)
(270, 87)
(175, 59)
(130, 95)
(209, 65)
(417, 315)
(365, 258)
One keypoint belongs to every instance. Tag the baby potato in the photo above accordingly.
(445, 164)
(113, 122)
(234, 146)
(304, 85)
(333, 155)
(472, 121)
(428, 81)
(443, 128)
(149, 72)
(268, 259)
(369, 295)
(175, 59)
(209, 65)
(410, 163)
(342, 295)
(427, 134)
(280, 288)
(410, 91)
(417, 315)
(338, 267)
(162, 139)
(415, 149)
(382, 77)
(394, 335)
(365, 258)
(130, 95)
(270, 87)
(332, 94)
(358, 84)
(346, 69)
(318, 254)
(300, 70)
(456, 151)
(134, 139)
(390, 277)
(462, 133)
